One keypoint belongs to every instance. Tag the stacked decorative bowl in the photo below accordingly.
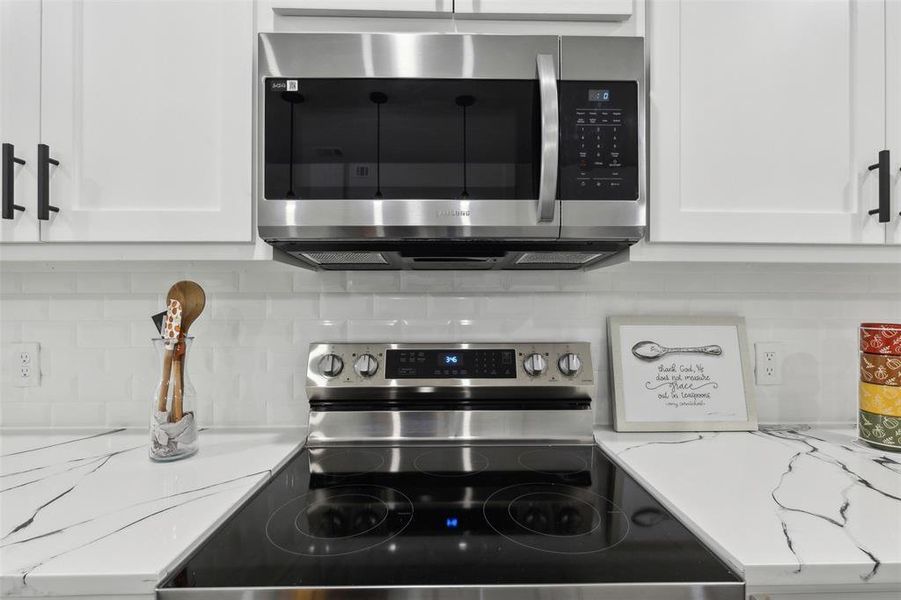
(879, 419)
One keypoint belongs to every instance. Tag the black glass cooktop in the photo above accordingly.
(427, 515)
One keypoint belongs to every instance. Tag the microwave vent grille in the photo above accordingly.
(558, 258)
(345, 258)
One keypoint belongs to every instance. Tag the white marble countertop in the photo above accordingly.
(88, 513)
(785, 507)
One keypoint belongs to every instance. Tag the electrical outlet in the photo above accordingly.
(768, 363)
(23, 362)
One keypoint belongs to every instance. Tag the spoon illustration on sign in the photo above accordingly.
(651, 351)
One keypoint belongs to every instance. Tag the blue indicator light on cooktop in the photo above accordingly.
(451, 522)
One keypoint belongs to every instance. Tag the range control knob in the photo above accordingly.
(534, 364)
(366, 365)
(569, 364)
(331, 365)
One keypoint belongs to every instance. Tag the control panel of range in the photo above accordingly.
(599, 140)
(469, 365)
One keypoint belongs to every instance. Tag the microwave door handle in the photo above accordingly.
(550, 139)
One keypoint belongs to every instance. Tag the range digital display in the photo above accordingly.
(450, 364)
(450, 359)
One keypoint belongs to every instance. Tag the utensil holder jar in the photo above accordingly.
(173, 424)
(879, 390)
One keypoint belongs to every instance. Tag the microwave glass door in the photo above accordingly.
(401, 138)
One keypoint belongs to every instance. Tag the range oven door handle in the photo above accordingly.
(550, 137)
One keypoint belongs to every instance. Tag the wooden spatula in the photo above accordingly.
(193, 301)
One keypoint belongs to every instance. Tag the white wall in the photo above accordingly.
(93, 323)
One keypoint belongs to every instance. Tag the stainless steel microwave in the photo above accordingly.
(450, 151)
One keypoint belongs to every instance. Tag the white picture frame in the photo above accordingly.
(676, 373)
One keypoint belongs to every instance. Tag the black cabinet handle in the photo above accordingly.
(884, 188)
(9, 188)
(44, 162)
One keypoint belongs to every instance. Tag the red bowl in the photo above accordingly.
(880, 338)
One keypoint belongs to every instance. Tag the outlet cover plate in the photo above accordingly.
(22, 363)
(768, 363)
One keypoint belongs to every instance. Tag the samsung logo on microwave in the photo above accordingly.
(454, 213)
(287, 85)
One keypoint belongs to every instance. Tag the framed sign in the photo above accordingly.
(680, 374)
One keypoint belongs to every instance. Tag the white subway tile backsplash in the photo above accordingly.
(433, 282)
(10, 282)
(533, 281)
(145, 282)
(128, 414)
(80, 414)
(294, 306)
(236, 359)
(212, 282)
(345, 306)
(240, 307)
(399, 306)
(14, 413)
(104, 334)
(24, 308)
(10, 331)
(133, 306)
(265, 334)
(104, 283)
(287, 414)
(308, 332)
(48, 283)
(504, 305)
(478, 281)
(52, 334)
(372, 330)
(249, 358)
(373, 281)
(266, 281)
(426, 330)
(77, 308)
(454, 307)
(106, 387)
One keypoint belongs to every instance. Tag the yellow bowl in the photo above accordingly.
(880, 399)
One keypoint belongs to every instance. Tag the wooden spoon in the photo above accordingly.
(193, 301)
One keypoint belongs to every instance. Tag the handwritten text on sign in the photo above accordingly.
(682, 386)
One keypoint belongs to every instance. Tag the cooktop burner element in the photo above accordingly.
(556, 518)
(452, 472)
(451, 462)
(339, 520)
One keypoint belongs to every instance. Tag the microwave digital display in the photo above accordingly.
(598, 95)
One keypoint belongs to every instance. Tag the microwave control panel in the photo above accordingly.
(598, 140)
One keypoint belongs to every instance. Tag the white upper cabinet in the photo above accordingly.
(893, 96)
(765, 115)
(600, 10)
(20, 105)
(147, 107)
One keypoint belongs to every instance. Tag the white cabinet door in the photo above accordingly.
(764, 117)
(601, 10)
(893, 112)
(147, 106)
(20, 105)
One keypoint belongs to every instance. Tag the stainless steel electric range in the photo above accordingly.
(451, 472)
